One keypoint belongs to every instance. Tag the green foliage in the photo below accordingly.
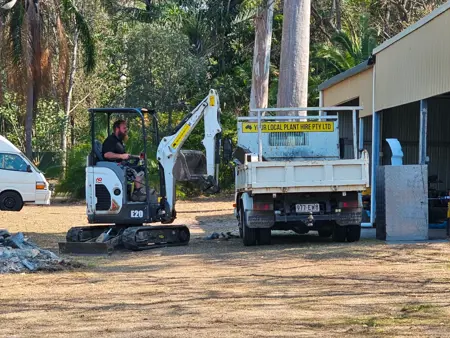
(162, 72)
(345, 50)
(73, 183)
(47, 129)
(11, 125)
(48, 126)
(70, 11)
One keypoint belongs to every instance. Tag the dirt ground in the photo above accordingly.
(300, 286)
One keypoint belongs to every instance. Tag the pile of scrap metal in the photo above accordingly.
(17, 254)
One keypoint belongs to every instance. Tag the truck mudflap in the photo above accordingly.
(342, 218)
(260, 219)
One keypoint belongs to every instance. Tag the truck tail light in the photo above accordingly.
(262, 206)
(40, 186)
(348, 204)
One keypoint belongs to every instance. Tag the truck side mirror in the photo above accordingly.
(227, 149)
(29, 169)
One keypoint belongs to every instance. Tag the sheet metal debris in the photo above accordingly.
(18, 254)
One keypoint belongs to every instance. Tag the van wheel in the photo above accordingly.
(10, 201)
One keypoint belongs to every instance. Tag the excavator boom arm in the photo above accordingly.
(170, 146)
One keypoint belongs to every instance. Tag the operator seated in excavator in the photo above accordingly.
(113, 150)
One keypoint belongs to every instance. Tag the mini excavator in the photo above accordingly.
(109, 185)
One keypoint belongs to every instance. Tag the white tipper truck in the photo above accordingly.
(290, 176)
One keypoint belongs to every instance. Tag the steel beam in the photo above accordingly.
(423, 132)
(375, 161)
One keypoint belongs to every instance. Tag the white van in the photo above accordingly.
(20, 181)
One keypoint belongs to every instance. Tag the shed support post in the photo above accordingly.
(361, 134)
(423, 132)
(355, 135)
(375, 162)
(321, 104)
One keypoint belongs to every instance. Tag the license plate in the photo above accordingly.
(307, 208)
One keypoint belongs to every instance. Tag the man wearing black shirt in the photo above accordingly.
(114, 150)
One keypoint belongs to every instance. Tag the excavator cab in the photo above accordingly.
(110, 184)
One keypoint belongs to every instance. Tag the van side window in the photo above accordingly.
(12, 162)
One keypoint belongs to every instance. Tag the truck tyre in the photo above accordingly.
(11, 201)
(248, 234)
(240, 227)
(339, 233)
(264, 236)
(353, 233)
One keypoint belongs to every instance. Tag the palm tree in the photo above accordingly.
(28, 42)
(347, 49)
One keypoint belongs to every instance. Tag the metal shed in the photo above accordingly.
(405, 91)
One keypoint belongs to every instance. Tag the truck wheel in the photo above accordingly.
(353, 233)
(325, 233)
(11, 201)
(240, 227)
(339, 233)
(264, 236)
(248, 234)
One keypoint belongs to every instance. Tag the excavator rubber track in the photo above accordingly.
(145, 238)
(85, 240)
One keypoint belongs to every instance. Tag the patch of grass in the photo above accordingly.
(368, 322)
(413, 308)
(410, 314)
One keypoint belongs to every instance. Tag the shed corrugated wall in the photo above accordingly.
(415, 67)
(357, 86)
(346, 133)
(403, 123)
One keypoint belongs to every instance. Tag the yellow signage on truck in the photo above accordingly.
(288, 127)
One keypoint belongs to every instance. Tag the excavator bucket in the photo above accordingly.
(98, 240)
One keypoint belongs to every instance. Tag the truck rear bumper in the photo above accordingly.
(267, 219)
(343, 218)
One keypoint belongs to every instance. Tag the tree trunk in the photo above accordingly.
(29, 117)
(33, 62)
(1, 73)
(259, 96)
(338, 15)
(294, 64)
(68, 102)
